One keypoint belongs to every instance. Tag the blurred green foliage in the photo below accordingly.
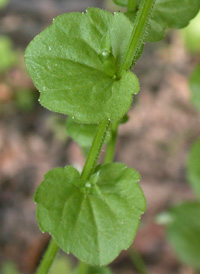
(183, 220)
(8, 57)
(191, 35)
(9, 268)
(99, 270)
(57, 126)
(193, 168)
(61, 265)
(183, 232)
(194, 83)
(3, 3)
(82, 134)
(25, 99)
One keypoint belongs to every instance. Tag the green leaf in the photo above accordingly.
(171, 14)
(193, 168)
(194, 83)
(191, 35)
(73, 63)
(184, 232)
(96, 219)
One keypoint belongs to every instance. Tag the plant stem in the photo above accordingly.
(131, 5)
(48, 258)
(137, 35)
(111, 145)
(95, 149)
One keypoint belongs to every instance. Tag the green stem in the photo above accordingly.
(95, 149)
(131, 5)
(110, 151)
(137, 261)
(48, 258)
(137, 35)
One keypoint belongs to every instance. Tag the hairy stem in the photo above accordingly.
(95, 149)
(110, 151)
(48, 258)
(137, 35)
(131, 5)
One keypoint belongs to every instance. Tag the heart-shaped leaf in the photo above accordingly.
(96, 219)
(73, 64)
(184, 232)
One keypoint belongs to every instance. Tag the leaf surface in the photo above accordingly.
(73, 64)
(171, 14)
(183, 232)
(94, 220)
(193, 168)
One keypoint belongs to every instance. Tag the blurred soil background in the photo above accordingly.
(162, 126)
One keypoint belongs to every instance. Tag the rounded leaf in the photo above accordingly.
(75, 73)
(96, 219)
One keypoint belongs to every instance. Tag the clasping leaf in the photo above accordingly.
(75, 73)
(95, 219)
